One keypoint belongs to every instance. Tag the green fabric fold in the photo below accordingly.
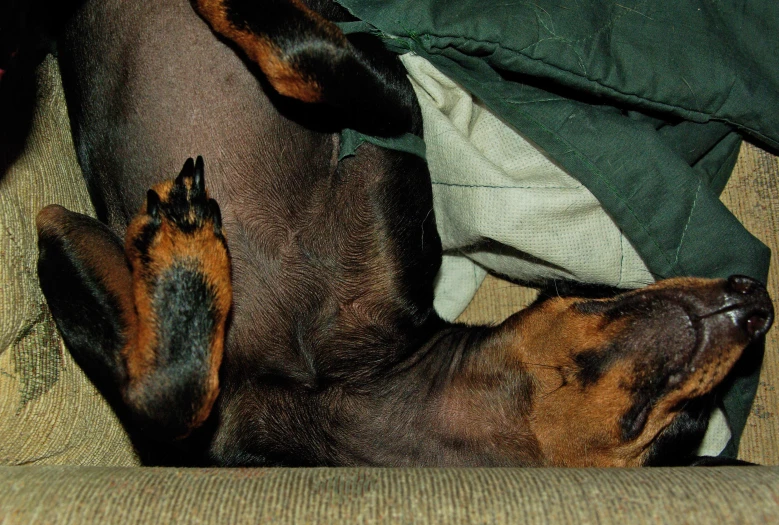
(644, 102)
(408, 143)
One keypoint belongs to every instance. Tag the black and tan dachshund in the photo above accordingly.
(293, 323)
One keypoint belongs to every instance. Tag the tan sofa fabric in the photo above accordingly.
(753, 196)
(49, 412)
(334, 496)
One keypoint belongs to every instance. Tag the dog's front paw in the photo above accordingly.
(182, 292)
(178, 216)
(178, 233)
(179, 224)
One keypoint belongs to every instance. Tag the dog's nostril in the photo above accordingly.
(758, 323)
(742, 284)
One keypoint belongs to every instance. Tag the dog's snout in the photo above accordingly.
(753, 312)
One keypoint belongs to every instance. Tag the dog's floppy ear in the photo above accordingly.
(86, 279)
(308, 58)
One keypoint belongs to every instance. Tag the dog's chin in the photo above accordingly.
(678, 443)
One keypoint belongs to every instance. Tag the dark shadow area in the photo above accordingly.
(486, 245)
(17, 103)
(28, 30)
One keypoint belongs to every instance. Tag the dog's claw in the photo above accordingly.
(186, 171)
(216, 215)
(185, 201)
(194, 171)
(198, 178)
(153, 205)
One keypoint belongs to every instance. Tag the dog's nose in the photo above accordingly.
(742, 284)
(753, 311)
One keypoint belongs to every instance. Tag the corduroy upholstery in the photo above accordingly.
(75, 495)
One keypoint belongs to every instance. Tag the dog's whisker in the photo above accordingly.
(539, 365)
(544, 396)
(423, 227)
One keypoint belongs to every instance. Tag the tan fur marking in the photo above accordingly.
(169, 246)
(282, 75)
(580, 426)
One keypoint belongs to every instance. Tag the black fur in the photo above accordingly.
(360, 82)
(74, 293)
(592, 365)
(677, 446)
(185, 319)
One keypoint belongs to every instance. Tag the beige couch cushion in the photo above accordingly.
(499, 496)
(49, 412)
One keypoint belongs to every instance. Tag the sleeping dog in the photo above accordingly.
(273, 304)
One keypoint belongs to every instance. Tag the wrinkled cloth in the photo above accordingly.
(644, 103)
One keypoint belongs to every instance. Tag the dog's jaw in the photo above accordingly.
(613, 374)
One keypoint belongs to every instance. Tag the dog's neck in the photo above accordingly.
(454, 402)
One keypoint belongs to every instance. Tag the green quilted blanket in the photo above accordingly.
(646, 103)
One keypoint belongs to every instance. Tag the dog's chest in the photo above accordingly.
(315, 273)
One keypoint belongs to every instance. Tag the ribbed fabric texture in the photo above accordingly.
(501, 496)
(49, 412)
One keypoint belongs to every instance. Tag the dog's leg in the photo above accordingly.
(308, 58)
(147, 322)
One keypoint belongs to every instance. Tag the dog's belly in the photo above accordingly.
(147, 85)
(332, 275)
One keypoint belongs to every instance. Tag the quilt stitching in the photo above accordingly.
(424, 41)
(657, 103)
(621, 257)
(689, 218)
(486, 186)
(592, 167)
(676, 268)
(572, 43)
